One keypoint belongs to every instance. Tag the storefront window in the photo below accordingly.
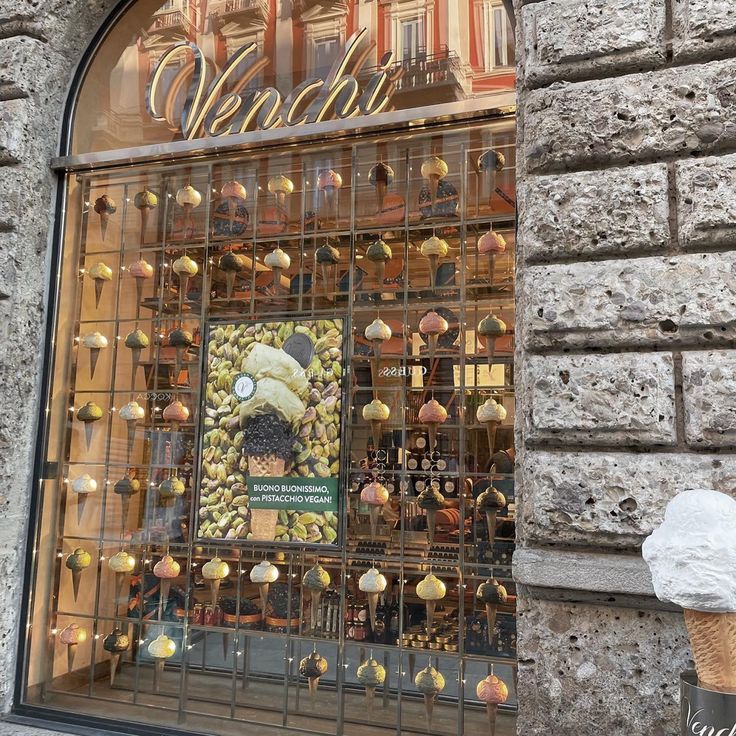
(278, 479)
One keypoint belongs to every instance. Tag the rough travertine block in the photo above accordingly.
(626, 399)
(596, 670)
(594, 213)
(706, 201)
(638, 116)
(609, 499)
(26, 64)
(703, 28)
(643, 301)
(16, 130)
(575, 39)
(709, 388)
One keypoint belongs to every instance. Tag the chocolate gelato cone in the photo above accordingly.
(76, 580)
(430, 607)
(263, 593)
(432, 429)
(492, 710)
(71, 653)
(114, 664)
(316, 597)
(215, 590)
(88, 429)
(491, 429)
(313, 686)
(99, 283)
(491, 610)
(431, 523)
(164, 592)
(372, 606)
(94, 356)
(136, 359)
(429, 699)
(491, 525)
(376, 431)
(263, 521)
(183, 289)
(375, 514)
(230, 282)
(434, 261)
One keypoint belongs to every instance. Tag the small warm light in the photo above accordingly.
(71, 409)
(190, 646)
(76, 339)
(81, 270)
(97, 636)
(54, 631)
(60, 555)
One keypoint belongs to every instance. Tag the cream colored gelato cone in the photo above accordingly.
(136, 353)
(230, 282)
(263, 521)
(164, 591)
(376, 431)
(316, 597)
(491, 610)
(429, 699)
(434, 261)
(491, 429)
(372, 606)
(94, 356)
(713, 642)
(158, 669)
(432, 429)
(492, 710)
(313, 686)
(88, 430)
(490, 350)
(432, 346)
(431, 523)
(71, 653)
(375, 513)
(183, 289)
(430, 607)
(114, 664)
(215, 590)
(99, 284)
(76, 580)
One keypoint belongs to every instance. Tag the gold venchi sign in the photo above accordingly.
(210, 111)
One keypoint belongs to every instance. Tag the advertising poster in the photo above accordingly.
(270, 467)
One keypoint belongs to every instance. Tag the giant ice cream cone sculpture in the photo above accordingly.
(88, 415)
(263, 574)
(490, 162)
(121, 564)
(375, 495)
(329, 182)
(376, 413)
(181, 340)
(188, 198)
(116, 642)
(185, 268)
(492, 414)
(432, 414)
(73, 635)
(432, 501)
(489, 503)
(433, 249)
(692, 558)
(166, 569)
(371, 675)
(175, 414)
(278, 261)
(432, 325)
(327, 257)
(77, 562)
(280, 186)
(431, 589)
(94, 341)
(131, 414)
(377, 333)
(231, 265)
(105, 206)
(141, 271)
(214, 572)
(490, 329)
(82, 486)
(144, 202)
(491, 244)
(161, 649)
(379, 254)
(315, 581)
(100, 273)
(381, 176)
(234, 193)
(136, 340)
(434, 169)
(372, 583)
(492, 595)
(430, 683)
(125, 488)
(493, 692)
(312, 668)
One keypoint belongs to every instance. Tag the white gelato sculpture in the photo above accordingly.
(692, 558)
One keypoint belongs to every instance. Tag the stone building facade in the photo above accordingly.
(627, 121)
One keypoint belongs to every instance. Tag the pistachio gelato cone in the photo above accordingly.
(315, 597)
(713, 642)
(263, 521)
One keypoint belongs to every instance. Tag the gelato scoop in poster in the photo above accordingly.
(270, 461)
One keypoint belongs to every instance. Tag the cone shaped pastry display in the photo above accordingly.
(376, 413)
(434, 169)
(215, 571)
(432, 501)
(377, 333)
(432, 414)
(431, 589)
(492, 595)
(381, 176)
(82, 486)
(379, 253)
(278, 261)
(315, 581)
(125, 488)
(185, 268)
(430, 683)
(371, 675)
(77, 562)
(281, 187)
(88, 415)
(136, 341)
(492, 691)
(327, 257)
(95, 342)
(433, 249)
(100, 273)
(489, 503)
(121, 564)
(491, 245)
(235, 194)
(105, 206)
(188, 198)
(231, 264)
(144, 202)
(141, 271)
(72, 636)
(490, 329)
(432, 325)
(263, 521)
(160, 649)
(312, 668)
(375, 495)
(116, 643)
(329, 182)
(372, 583)
(263, 574)
(131, 414)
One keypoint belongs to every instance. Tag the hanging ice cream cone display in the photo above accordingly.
(171, 489)
(100, 273)
(315, 581)
(82, 486)
(327, 258)
(125, 488)
(377, 333)
(94, 342)
(188, 198)
(492, 594)
(141, 271)
(491, 245)
(136, 341)
(131, 414)
(278, 261)
(72, 635)
(434, 169)
(121, 564)
(493, 692)
(77, 562)
(430, 683)
(432, 501)
(371, 675)
(372, 583)
(433, 249)
(166, 569)
(375, 495)
(491, 328)
(181, 340)
(312, 668)
(489, 503)
(376, 413)
(215, 571)
(431, 415)
(489, 164)
(175, 414)
(492, 414)
(88, 415)
(263, 574)
(144, 202)
(235, 194)
(381, 176)
(116, 643)
(431, 589)
(231, 265)
(432, 325)
(329, 182)
(185, 268)
(161, 649)
(281, 187)
(105, 206)
(379, 253)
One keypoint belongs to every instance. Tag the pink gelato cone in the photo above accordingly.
(376, 431)
(88, 429)
(316, 596)
(94, 356)
(429, 699)
(492, 710)
(104, 222)
(164, 591)
(183, 289)
(491, 525)
(71, 653)
(263, 593)
(432, 429)
(491, 610)
(491, 429)
(372, 606)
(375, 513)
(76, 580)
(380, 272)
(430, 607)
(114, 664)
(136, 353)
(431, 523)
(230, 283)
(215, 590)
(81, 503)
(434, 261)
(313, 686)
(99, 283)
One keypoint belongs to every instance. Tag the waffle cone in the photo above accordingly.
(490, 350)
(124, 509)
(315, 596)
(81, 504)
(374, 513)
(491, 268)
(277, 277)
(144, 223)
(104, 222)
(280, 199)
(432, 429)
(313, 686)
(263, 521)
(230, 283)
(381, 188)
(491, 525)
(429, 699)
(225, 645)
(380, 272)
(376, 431)
(158, 669)
(372, 606)
(325, 268)
(131, 435)
(434, 183)
(114, 664)
(177, 365)
(76, 580)
(71, 653)
(430, 607)
(370, 696)
(492, 710)
(136, 352)
(183, 289)
(215, 590)
(434, 260)
(138, 291)
(491, 610)
(491, 429)
(432, 346)
(263, 592)
(99, 284)
(431, 523)
(119, 585)
(412, 664)
(164, 594)
(88, 430)
(188, 222)
(232, 208)
(94, 356)
(713, 641)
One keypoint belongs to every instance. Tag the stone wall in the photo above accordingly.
(626, 317)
